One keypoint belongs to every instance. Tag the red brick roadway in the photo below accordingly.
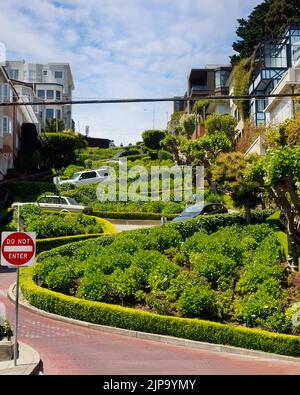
(70, 349)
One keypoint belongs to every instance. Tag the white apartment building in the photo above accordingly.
(11, 120)
(52, 82)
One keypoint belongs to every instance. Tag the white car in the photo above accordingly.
(87, 177)
(57, 203)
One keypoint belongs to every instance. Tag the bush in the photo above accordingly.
(164, 155)
(52, 224)
(121, 317)
(5, 329)
(216, 268)
(28, 191)
(196, 301)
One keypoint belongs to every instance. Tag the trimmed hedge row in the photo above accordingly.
(131, 215)
(212, 223)
(54, 242)
(121, 317)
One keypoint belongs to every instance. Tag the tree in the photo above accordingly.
(266, 21)
(205, 150)
(250, 31)
(173, 125)
(279, 172)
(221, 123)
(188, 123)
(54, 125)
(229, 174)
(280, 14)
(152, 138)
(171, 144)
(29, 155)
(59, 149)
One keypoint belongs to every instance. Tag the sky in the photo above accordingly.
(123, 49)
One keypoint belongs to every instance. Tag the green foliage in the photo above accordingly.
(188, 123)
(5, 329)
(54, 125)
(152, 138)
(52, 224)
(28, 191)
(60, 148)
(196, 301)
(138, 320)
(242, 73)
(229, 174)
(215, 267)
(266, 21)
(164, 155)
(222, 123)
(174, 124)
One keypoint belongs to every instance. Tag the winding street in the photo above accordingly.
(69, 349)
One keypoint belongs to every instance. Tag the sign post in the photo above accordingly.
(17, 250)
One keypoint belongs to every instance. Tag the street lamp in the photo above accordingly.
(153, 116)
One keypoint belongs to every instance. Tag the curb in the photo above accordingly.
(153, 337)
(28, 363)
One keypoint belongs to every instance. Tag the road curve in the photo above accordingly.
(69, 349)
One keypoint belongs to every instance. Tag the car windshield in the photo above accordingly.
(72, 201)
(192, 209)
(75, 175)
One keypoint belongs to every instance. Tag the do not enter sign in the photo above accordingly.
(17, 249)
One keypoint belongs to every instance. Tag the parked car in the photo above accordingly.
(57, 203)
(197, 209)
(87, 177)
(126, 153)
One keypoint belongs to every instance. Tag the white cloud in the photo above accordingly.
(123, 49)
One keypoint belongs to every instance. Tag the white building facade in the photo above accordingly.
(52, 82)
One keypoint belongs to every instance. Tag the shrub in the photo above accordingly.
(164, 155)
(28, 191)
(263, 309)
(137, 320)
(5, 329)
(196, 301)
(214, 267)
(161, 275)
(62, 279)
(51, 224)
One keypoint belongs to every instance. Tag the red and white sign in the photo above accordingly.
(17, 249)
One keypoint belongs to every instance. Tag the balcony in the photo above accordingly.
(292, 77)
(199, 88)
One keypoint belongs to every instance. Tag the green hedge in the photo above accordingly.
(53, 242)
(117, 316)
(212, 223)
(131, 215)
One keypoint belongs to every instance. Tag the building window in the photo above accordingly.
(221, 77)
(41, 93)
(58, 74)
(6, 93)
(58, 114)
(6, 125)
(58, 95)
(50, 94)
(13, 74)
(45, 72)
(32, 75)
(49, 113)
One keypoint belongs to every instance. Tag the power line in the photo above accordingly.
(146, 100)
